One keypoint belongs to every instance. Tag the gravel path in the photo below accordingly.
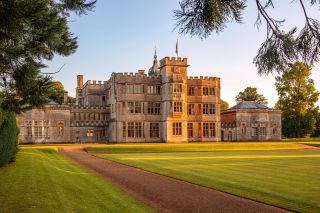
(163, 193)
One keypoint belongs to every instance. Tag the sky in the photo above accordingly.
(120, 36)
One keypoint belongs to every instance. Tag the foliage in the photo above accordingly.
(8, 137)
(297, 98)
(224, 105)
(251, 94)
(30, 32)
(316, 131)
(280, 49)
(42, 180)
(249, 174)
(71, 100)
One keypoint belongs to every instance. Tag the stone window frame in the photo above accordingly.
(191, 91)
(177, 106)
(191, 109)
(154, 108)
(60, 128)
(154, 130)
(190, 130)
(208, 109)
(243, 126)
(28, 124)
(205, 91)
(90, 132)
(212, 91)
(154, 89)
(177, 88)
(176, 128)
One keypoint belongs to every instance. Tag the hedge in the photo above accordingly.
(9, 133)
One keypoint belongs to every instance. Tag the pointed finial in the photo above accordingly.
(155, 52)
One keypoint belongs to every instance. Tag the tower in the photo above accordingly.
(174, 88)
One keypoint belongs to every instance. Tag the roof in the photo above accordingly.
(249, 105)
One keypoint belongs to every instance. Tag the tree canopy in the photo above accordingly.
(280, 49)
(297, 98)
(224, 105)
(251, 94)
(30, 32)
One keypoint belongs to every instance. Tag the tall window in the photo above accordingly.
(135, 130)
(209, 130)
(130, 129)
(177, 88)
(154, 89)
(205, 130)
(38, 129)
(154, 108)
(137, 107)
(60, 125)
(29, 128)
(134, 88)
(262, 131)
(176, 128)
(190, 91)
(274, 129)
(205, 91)
(124, 130)
(177, 106)
(154, 130)
(212, 129)
(134, 107)
(138, 89)
(46, 128)
(211, 91)
(190, 130)
(255, 130)
(208, 109)
(138, 129)
(191, 110)
(243, 128)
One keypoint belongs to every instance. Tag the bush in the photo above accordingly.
(9, 133)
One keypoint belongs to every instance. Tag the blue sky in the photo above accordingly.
(120, 36)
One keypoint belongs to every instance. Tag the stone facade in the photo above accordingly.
(250, 121)
(164, 106)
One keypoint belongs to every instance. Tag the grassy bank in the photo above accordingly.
(284, 178)
(41, 180)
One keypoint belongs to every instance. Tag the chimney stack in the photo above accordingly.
(65, 97)
(79, 81)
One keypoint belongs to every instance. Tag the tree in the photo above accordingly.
(297, 98)
(32, 31)
(224, 105)
(251, 94)
(280, 49)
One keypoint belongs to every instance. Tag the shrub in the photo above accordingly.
(9, 133)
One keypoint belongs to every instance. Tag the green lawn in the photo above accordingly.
(41, 180)
(190, 147)
(284, 178)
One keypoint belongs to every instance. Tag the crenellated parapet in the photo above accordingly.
(94, 82)
(194, 80)
(135, 77)
(76, 107)
(173, 61)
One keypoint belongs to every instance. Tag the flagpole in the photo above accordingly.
(177, 49)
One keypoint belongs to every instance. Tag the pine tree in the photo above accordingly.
(280, 49)
(32, 31)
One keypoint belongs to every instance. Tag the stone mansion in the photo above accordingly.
(163, 105)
